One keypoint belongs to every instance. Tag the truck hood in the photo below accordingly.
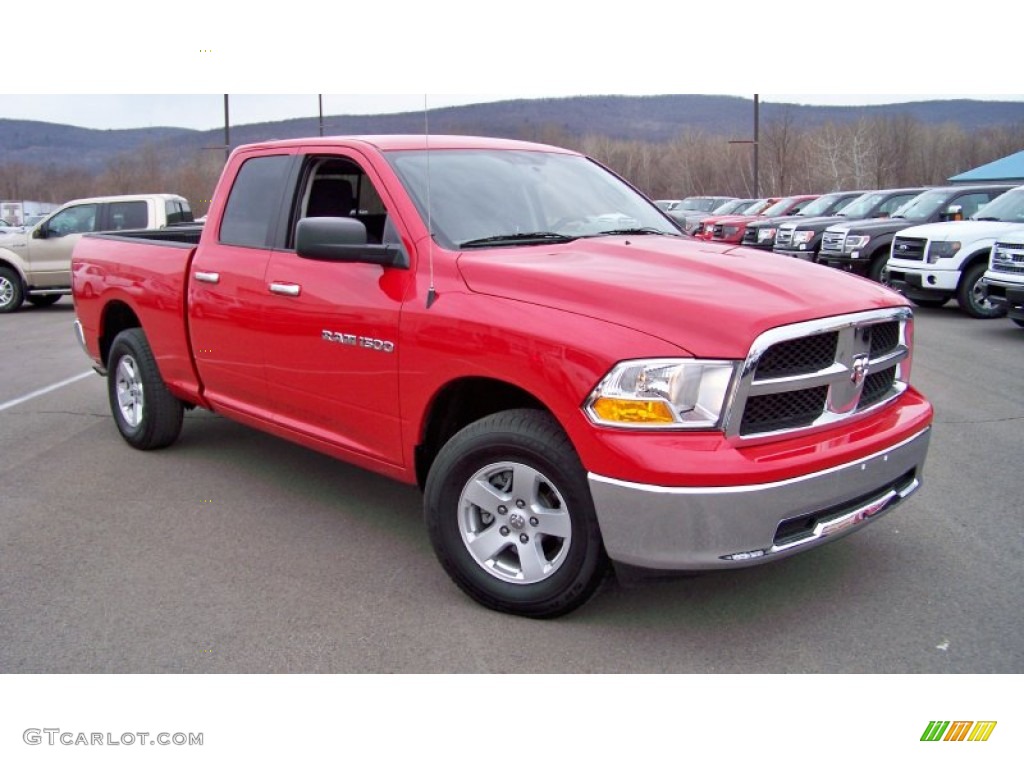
(964, 231)
(818, 223)
(710, 300)
(874, 226)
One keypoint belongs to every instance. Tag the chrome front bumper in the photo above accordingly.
(691, 529)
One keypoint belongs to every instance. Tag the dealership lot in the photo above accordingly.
(233, 551)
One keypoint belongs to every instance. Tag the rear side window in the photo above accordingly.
(255, 201)
(177, 212)
(127, 215)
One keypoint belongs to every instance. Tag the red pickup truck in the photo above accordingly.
(570, 380)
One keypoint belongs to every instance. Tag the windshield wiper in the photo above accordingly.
(520, 238)
(987, 218)
(635, 231)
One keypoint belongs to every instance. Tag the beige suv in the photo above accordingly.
(35, 264)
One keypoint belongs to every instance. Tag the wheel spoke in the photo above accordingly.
(532, 560)
(552, 522)
(487, 544)
(525, 483)
(484, 495)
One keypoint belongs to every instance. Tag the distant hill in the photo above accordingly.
(644, 118)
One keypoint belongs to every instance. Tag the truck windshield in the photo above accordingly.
(861, 207)
(509, 197)
(922, 206)
(1009, 206)
(780, 207)
(820, 206)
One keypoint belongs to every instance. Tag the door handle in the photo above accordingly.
(208, 277)
(285, 289)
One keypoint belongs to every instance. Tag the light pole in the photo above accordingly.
(756, 143)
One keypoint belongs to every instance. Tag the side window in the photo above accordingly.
(177, 212)
(893, 203)
(74, 220)
(127, 215)
(254, 202)
(339, 187)
(971, 203)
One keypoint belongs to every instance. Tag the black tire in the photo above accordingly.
(12, 292)
(930, 303)
(558, 551)
(45, 300)
(877, 267)
(147, 415)
(1018, 322)
(968, 294)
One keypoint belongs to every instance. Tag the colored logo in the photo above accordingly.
(958, 730)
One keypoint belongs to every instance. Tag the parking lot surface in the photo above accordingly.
(234, 551)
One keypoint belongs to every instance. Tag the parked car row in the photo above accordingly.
(931, 244)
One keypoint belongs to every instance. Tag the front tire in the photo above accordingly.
(510, 516)
(970, 296)
(147, 415)
(930, 303)
(12, 292)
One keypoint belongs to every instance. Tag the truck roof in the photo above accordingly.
(412, 142)
(124, 198)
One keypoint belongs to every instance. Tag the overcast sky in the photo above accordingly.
(386, 56)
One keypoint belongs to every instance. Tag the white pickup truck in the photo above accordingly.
(933, 263)
(1003, 284)
(35, 263)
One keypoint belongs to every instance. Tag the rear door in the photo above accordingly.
(227, 289)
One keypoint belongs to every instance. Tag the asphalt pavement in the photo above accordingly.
(234, 551)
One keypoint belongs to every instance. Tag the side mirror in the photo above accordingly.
(39, 233)
(954, 213)
(330, 238)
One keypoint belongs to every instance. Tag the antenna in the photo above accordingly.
(431, 292)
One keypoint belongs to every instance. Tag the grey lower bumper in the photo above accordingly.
(709, 528)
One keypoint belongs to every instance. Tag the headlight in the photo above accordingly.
(803, 236)
(855, 242)
(665, 394)
(942, 250)
(765, 233)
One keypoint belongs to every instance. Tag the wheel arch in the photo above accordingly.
(976, 257)
(459, 403)
(6, 260)
(117, 316)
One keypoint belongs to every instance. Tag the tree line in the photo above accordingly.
(871, 153)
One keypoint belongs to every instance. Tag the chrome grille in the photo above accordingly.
(784, 237)
(818, 373)
(910, 248)
(749, 236)
(833, 241)
(718, 231)
(1008, 258)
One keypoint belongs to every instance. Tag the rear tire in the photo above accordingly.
(511, 519)
(877, 268)
(12, 292)
(1018, 322)
(969, 295)
(147, 415)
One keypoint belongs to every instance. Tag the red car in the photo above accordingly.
(707, 226)
(729, 229)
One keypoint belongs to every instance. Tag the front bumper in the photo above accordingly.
(844, 262)
(808, 254)
(693, 529)
(1005, 294)
(922, 283)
